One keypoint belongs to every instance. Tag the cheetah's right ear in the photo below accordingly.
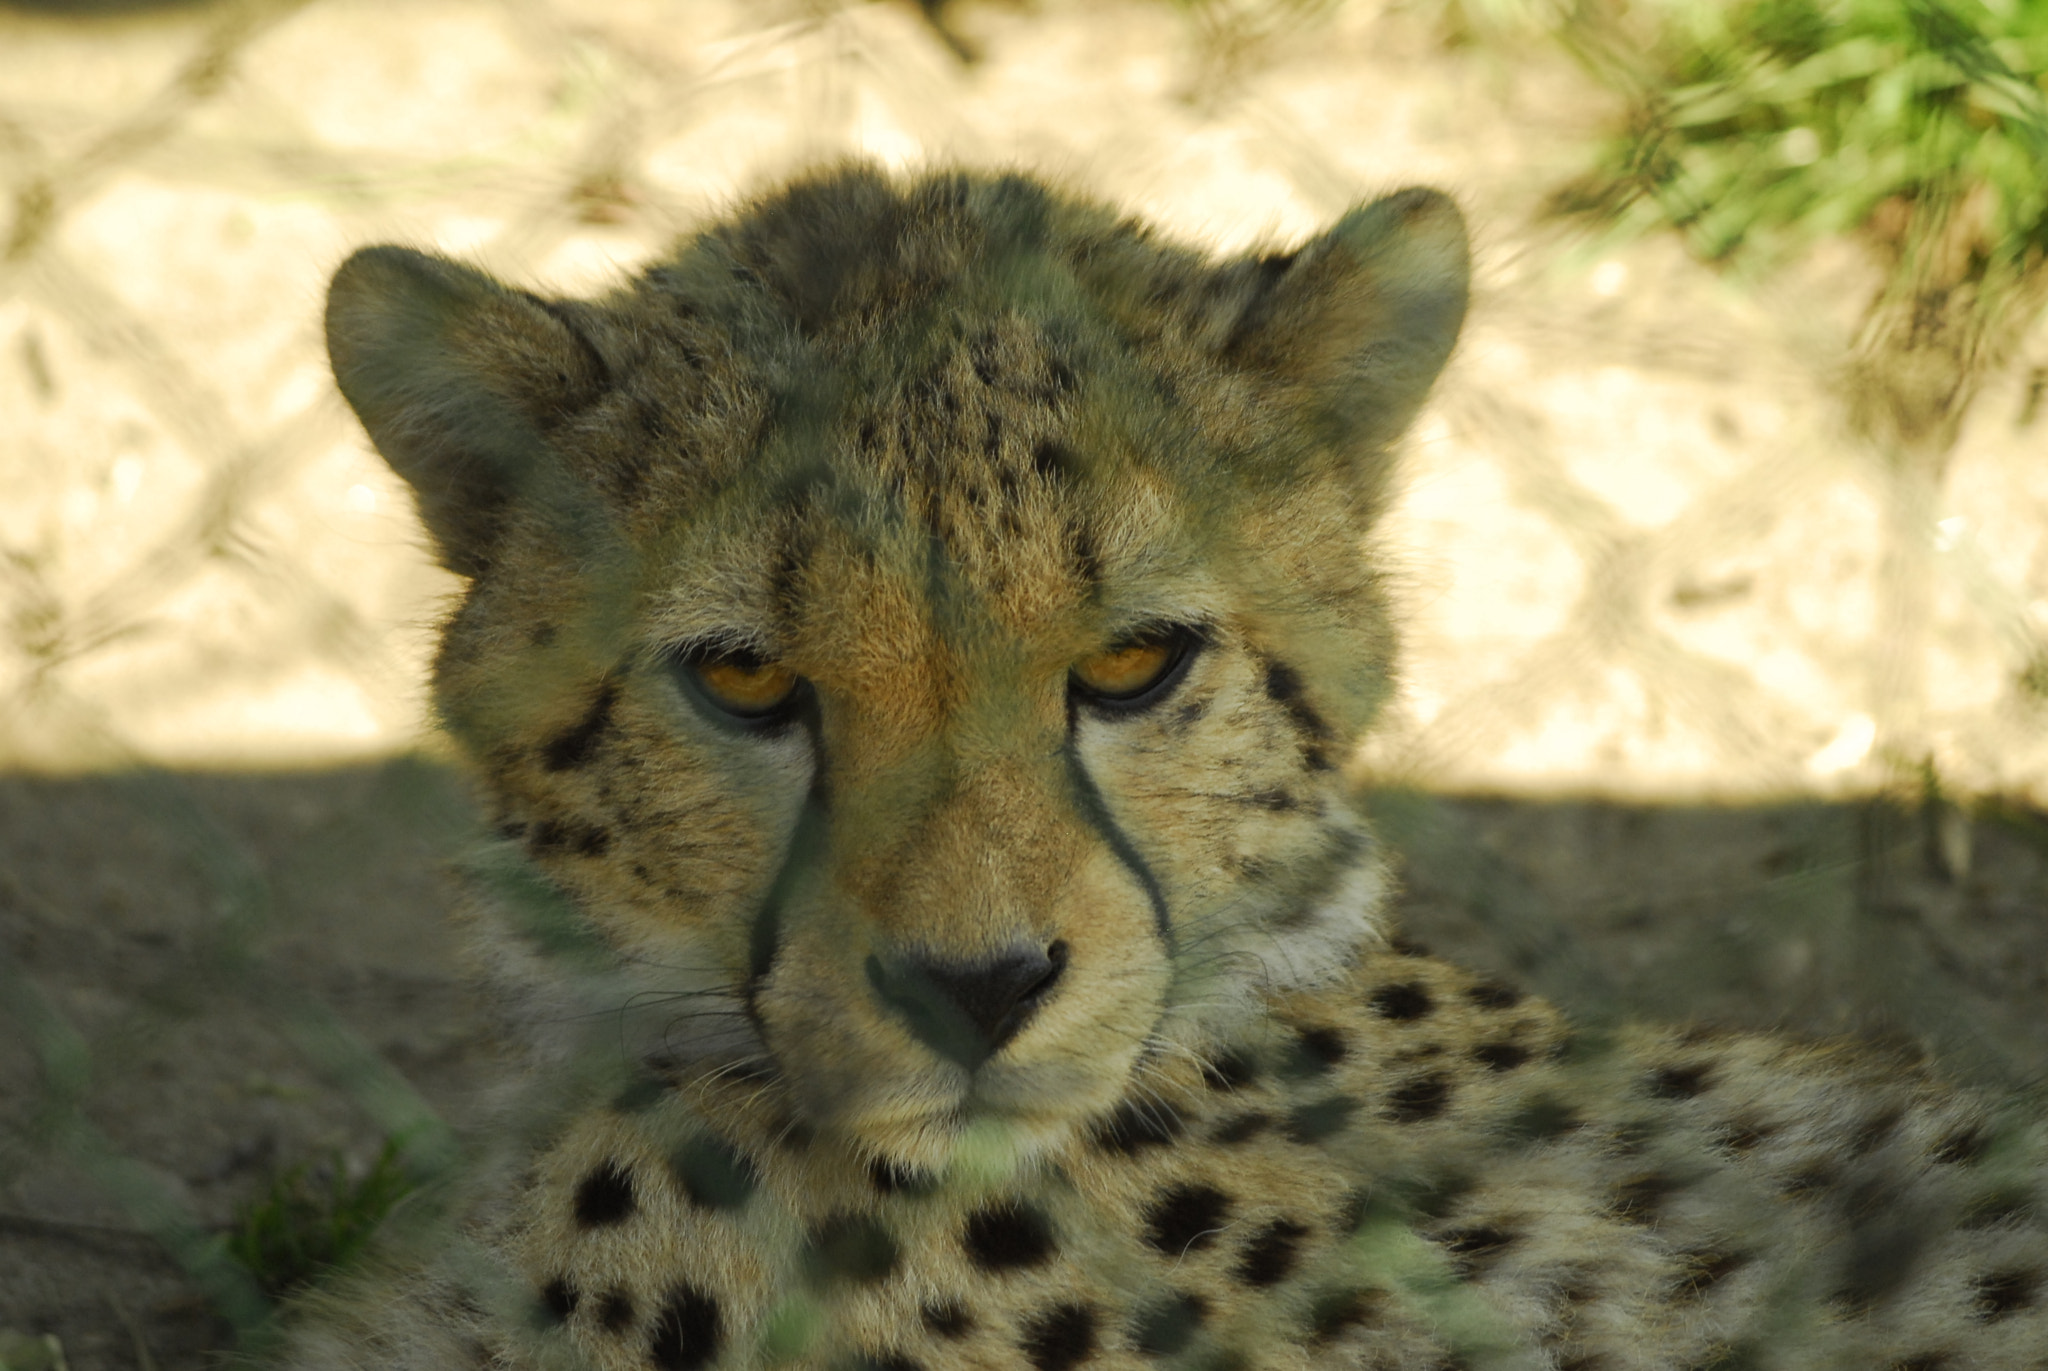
(458, 380)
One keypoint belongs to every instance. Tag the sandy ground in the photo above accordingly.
(175, 920)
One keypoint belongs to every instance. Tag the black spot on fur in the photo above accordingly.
(947, 1319)
(574, 746)
(1059, 378)
(615, 1311)
(2005, 1292)
(557, 1300)
(1641, 1200)
(1061, 1337)
(1283, 687)
(1243, 1128)
(1632, 1137)
(1476, 1247)
(1336, 1310)
(1312, 1122)
(688, 1332)
(1053, 461)
(1131, 1127)
(1322, 1048)
(604, 1197)
(714, 1173)
(1419, 1099)
(1541, 1119)
(1679, 1082)
(899, 1178)
(1996, 1207)
(1231, 1070)
(1925, 1361)
(1271, 1254)
(1500, 1056)
(851, 1247)
(1007, 1236)
(1403, 1002)
(652, 423)
(1962, 1147)
(542, 635)
(1808, 1182)
(1494, 995)
(1164, 1328)
(568, 835)
(1086, 557)
(1185, 1218)
(1872, 1133)
(1701, 1270)
(1740, 1136)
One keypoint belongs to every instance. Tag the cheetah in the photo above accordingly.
(913, 640)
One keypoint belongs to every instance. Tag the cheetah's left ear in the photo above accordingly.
(1356, 323)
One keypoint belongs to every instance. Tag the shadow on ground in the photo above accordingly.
(214, 977)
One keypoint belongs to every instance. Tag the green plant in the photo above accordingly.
(1920, 126)
(314, 1217)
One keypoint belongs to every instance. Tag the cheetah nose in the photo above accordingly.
(967, 1011)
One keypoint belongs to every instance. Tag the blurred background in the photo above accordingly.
(1722, 550)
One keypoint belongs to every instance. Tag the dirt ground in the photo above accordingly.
(189, 926)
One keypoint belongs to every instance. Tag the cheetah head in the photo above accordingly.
(913, 633)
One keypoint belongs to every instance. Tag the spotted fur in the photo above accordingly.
(953, 1016)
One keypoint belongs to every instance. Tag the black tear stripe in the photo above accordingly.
(1096, 813)
(806, 845)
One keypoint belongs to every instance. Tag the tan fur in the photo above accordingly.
(928, 446)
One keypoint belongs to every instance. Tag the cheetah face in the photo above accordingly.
(918, 630)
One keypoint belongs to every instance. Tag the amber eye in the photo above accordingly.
(1137, 672)
(740, 683)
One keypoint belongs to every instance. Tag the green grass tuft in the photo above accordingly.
(313, 1218)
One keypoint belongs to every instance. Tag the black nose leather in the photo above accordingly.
(967, 1011)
